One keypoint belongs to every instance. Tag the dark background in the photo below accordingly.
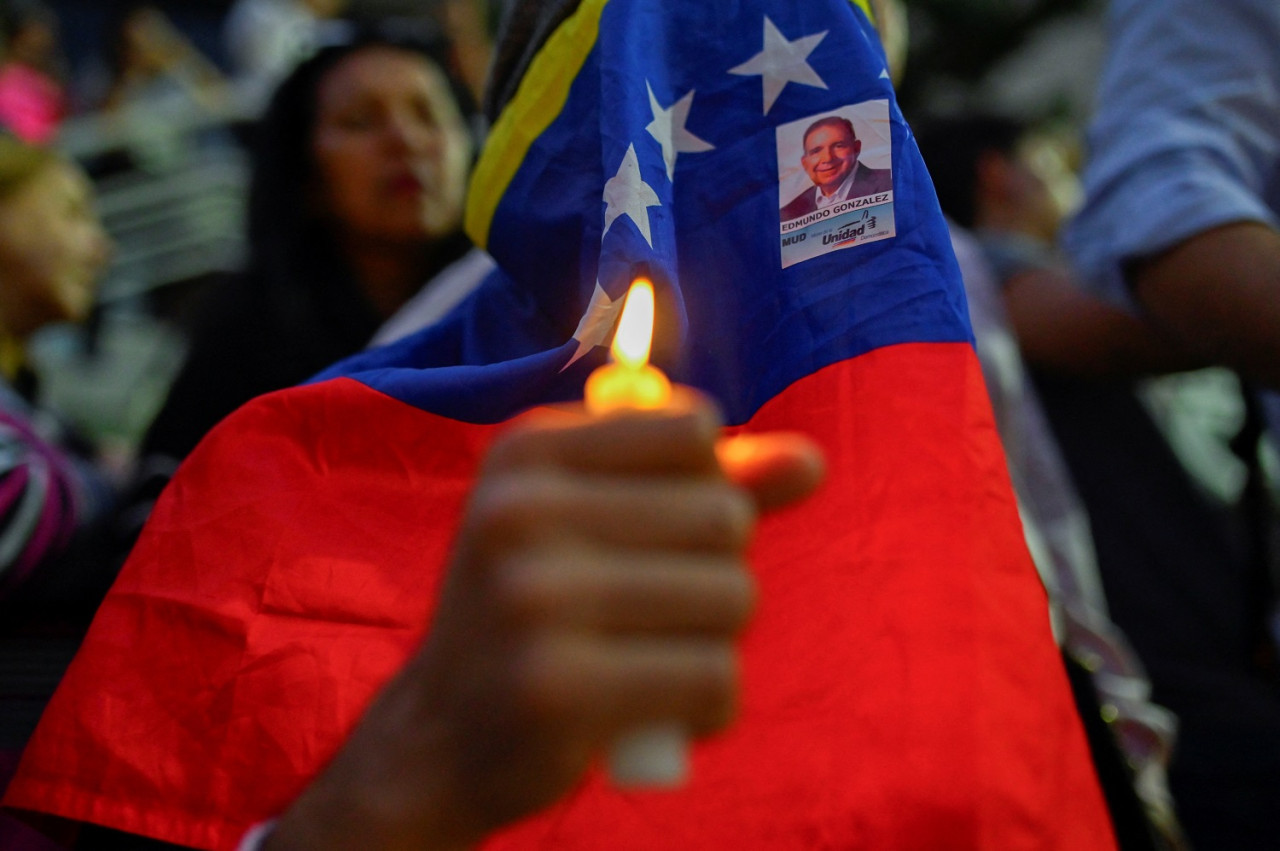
(953, 42)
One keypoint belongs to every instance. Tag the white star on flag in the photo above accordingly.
(597, 323)
(782, 62)
(668, 127)
(626, 194)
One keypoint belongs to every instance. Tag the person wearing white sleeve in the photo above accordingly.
(1182, 217)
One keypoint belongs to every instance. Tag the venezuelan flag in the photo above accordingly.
(902, 688)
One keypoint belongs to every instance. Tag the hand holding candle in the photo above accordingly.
(596, 587)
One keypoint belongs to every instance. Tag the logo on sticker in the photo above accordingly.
(835, 181)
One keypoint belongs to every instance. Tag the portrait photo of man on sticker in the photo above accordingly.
(830, 158)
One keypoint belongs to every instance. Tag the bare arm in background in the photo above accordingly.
(1063, 329)
(1218, 294)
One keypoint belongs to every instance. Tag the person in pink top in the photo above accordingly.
(32, 99)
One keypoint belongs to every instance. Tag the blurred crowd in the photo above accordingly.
(181, 232)
(162, 117)
(184, 227)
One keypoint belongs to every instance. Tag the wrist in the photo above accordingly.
(383, 791)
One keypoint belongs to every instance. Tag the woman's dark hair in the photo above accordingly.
(953, 147)
(292, 256)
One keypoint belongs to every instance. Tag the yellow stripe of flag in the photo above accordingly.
(538, 100)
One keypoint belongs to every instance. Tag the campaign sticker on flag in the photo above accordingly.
(837, 170)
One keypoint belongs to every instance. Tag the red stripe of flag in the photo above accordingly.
(902, 689)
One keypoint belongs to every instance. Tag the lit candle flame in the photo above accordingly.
(634, 336)
(630, 382)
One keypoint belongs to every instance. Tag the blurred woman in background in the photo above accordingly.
(52, 497)
(356, 201)
(52, 250)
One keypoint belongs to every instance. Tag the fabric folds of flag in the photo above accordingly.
(902, 688)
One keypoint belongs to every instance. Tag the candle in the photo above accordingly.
(656, 755)
(629, 381)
